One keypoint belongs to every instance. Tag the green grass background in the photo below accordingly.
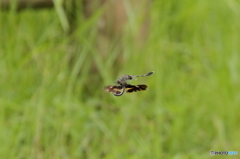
(51, 100)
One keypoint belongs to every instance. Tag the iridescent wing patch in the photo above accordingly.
(134, 88)
(115, 90)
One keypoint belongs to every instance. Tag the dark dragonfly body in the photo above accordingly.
(122, 80)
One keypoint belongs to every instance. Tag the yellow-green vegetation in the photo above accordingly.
(52, 103)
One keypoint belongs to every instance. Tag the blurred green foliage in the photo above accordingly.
(51, 100)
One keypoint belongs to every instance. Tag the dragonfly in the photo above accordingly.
(123, 86)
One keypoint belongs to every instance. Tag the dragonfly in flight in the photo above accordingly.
(123, 86)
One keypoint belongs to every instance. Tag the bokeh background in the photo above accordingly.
(55, 62)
